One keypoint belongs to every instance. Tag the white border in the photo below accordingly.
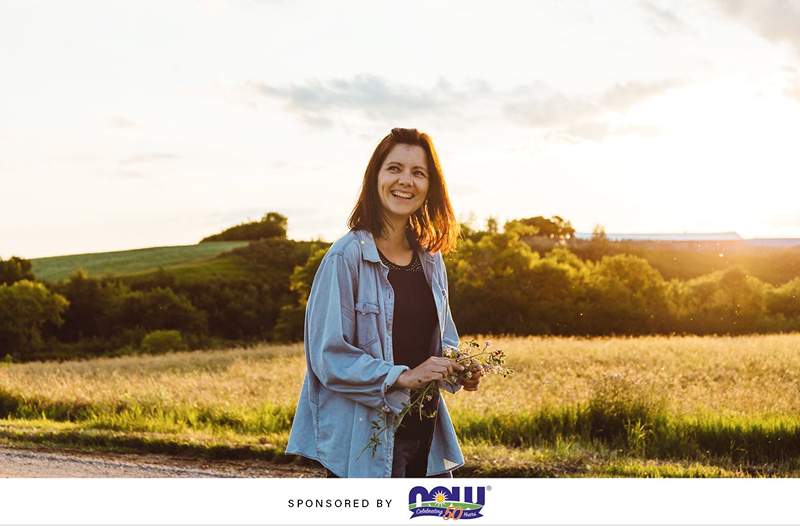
(509, 501)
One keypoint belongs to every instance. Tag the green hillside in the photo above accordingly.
(128, 261)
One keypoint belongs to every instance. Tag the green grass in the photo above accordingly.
(483, 459)
(124, 262)
(633, 407)
(229, 267)
(67, 435)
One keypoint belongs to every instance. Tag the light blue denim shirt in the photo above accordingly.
(350, 369)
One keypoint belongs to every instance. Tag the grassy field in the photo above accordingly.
(653, 406)
(128, 261)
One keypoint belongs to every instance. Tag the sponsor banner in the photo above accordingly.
(398, 501)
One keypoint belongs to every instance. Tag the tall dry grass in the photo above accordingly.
(671, 397)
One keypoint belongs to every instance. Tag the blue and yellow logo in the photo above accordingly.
(447, 503)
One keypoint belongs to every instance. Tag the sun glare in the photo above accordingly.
(724, 154)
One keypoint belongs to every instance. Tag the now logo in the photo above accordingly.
(454, 503)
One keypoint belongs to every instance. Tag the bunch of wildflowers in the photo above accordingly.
(472, 357)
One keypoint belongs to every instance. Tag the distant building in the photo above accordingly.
(785, 242)
(714, 241)
(713, 236)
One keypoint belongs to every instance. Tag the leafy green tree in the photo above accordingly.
(520, 228)
(15, 269)
(303, 276)
(490, 284)
(599, 233)
(467, 232)
(784, 301)
(553, 290)
(291, 320)
(555, 229)
(245, 302)
(271, 226)
(565, 256)
(623, 294)
(597, 246)
(162, 308)
(94, 307)
(491, 225)
(26, 308)
(727, 301)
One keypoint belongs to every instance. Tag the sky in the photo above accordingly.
(136, 124)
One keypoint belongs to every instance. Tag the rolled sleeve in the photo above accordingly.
(395, 398)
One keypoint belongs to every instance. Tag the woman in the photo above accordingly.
(376, 319)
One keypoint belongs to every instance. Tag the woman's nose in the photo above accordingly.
(405, 176)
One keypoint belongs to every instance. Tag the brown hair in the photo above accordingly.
(433, 226)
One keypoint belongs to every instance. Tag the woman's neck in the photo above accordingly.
(394, 240)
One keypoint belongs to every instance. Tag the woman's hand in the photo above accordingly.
(433, 369)
(471, 384)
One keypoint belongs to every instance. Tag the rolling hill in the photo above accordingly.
(125, 262)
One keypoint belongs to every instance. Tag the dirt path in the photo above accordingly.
(46, 463)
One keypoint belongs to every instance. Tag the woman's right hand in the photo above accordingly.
(433, 369)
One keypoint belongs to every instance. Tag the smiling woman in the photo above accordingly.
(377, 319)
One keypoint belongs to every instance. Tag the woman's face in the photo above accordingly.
(404, 171)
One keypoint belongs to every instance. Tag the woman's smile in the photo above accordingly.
(403, 195)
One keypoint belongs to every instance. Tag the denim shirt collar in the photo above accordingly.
(370, 250)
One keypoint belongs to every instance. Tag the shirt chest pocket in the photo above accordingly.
(367, 319)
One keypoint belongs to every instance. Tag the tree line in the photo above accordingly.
(529, 278)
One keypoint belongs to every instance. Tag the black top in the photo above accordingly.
(413, 324)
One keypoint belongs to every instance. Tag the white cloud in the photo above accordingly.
(662, 19)
(371, 96)
(774, 20)
(534, 104)
(587, 117)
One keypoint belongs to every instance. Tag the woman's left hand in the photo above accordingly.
(472, 383)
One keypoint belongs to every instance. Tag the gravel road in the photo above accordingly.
(44, 463)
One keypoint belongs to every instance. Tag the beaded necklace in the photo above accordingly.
(414, 266)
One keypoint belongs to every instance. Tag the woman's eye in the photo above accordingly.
(421, 174)
(393, 168)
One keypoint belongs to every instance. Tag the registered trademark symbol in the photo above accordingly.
(488, 488)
